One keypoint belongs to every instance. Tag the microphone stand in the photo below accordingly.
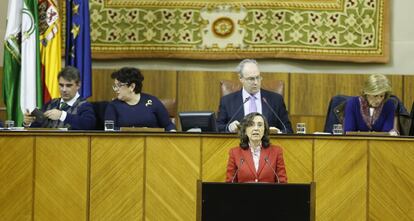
(274, 113)
(267, 162)
(234, 115)
(235, 173)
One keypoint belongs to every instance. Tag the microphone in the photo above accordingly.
(267, 162)
(235, 173)
(274, 113)
(238, 110)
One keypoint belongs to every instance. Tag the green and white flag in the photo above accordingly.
(11, 61)
(30, 81)
(21, 65)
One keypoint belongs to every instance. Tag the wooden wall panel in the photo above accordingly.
(397, 85)
(298, 156)
(172, 168)
(215, 152)
(162, 84)
(16, 178)
(341, 179)
(391, 180)
(102, 85)
(200, 90)
(310, 93)
(61, 178)
(117, 178)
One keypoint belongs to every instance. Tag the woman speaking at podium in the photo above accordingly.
(255, 160)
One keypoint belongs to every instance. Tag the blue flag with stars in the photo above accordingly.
(78, 42)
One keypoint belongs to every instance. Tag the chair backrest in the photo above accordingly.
(99, 107)
(171, 105)
(335, 113)
(230, 86)
(403, 119)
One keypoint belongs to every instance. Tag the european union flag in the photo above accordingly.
(78, 42)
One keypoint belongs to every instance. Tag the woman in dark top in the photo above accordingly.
(132, 108)
(372, 111)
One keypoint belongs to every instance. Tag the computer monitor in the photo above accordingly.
(203, 120)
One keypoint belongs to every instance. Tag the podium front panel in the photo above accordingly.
(256, 201)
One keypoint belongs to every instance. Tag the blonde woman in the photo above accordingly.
(372, 111)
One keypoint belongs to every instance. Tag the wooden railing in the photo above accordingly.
(135, 176)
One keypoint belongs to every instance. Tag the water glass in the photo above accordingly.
(8, 124)
(301, 128)
(337, 129)
(109, 125)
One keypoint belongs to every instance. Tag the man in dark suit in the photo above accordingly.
(251, 98)
(69, 111)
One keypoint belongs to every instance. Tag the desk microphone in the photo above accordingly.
(274, 113)
(267, 162)
(234, 115)
(235, 173)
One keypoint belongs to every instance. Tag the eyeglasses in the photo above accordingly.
(253, 79)
(116, 87)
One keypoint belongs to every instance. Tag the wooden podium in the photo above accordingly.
(255, 201)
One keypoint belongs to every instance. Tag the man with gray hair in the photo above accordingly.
(251, 98)
(69, 111)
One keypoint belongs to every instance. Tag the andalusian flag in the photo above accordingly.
(50, 48)
(78, 43)
(21, 82)
(30, 81)
(11, 62)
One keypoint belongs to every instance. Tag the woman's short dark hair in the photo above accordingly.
(248, 121)
(129, 75)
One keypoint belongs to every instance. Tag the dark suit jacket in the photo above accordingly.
(247, 172)
(230, 103)
(80, 116)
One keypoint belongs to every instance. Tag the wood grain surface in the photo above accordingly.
(153, 176)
